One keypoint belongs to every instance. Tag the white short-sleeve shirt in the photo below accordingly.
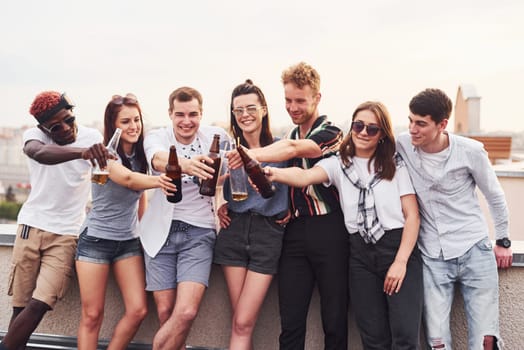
(387, 193)
(59, 192)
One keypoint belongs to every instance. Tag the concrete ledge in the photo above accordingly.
(8, 239)
(212, 326)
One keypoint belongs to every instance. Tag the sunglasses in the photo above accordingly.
(371, 130)
(251, 110)
(59, 126)
(120, 100)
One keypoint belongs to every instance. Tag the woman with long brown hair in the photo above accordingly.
(109, 235)
(381, 214)
(249, 243)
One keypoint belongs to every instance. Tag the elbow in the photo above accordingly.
(42, 158)
(299, 149)
(413, 221)
(128, 182)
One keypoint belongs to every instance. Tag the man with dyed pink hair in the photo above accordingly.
(49, 221)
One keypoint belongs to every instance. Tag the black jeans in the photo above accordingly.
(385, 322)
(315, 249)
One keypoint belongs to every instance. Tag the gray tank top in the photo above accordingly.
(114, 212)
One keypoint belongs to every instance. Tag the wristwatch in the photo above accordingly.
(503, 242)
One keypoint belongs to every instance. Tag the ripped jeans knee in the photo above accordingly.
(437, 344)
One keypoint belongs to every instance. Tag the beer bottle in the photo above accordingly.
(174, 171)
(256, 174)
(208, 186)
(112, 145)
(100, 176)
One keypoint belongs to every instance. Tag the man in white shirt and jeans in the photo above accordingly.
(456, 250)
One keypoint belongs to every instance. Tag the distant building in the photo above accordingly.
(13, 162)
(467, 123)
(467, 110)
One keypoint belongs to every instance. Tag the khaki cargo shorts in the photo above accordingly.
(41, 267)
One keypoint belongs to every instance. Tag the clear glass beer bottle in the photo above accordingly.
(100, 176)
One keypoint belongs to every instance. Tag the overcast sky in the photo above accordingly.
(367, 50)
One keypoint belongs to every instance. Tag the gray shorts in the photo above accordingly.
(252, 241)
(185, 257)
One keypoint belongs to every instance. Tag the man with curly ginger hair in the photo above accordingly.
(60, 155)
(316, 243)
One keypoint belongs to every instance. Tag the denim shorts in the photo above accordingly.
(105, 251)
(475, 273)
(252, 241)
(186, 256)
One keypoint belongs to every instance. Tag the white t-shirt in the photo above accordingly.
(194, 208)
(59, 192)
(387, 193)
(433, 163)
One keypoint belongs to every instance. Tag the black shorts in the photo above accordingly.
(252, 241)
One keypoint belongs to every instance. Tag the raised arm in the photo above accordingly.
(137, 181)
(297, 177)
(195, 166)
(287, 149)
(159, 161)
(279, 151)
(54, 154)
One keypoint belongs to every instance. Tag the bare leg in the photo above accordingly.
(253, 288)
(92, 298)
(165, 303)
(489, 341)
(25, 324)
(173, 334)
(129, 274)
(16, 312)
(235, 278)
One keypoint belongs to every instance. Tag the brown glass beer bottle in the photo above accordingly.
(256, 174)
(174, 171)
(208, 186)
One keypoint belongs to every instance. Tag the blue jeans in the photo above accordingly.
(476, 274)
(105, 251)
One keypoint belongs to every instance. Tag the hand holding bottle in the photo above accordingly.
(174, 172)
(100, 174)
(97, 153)
(166, 185)
(208, 186)
(256, 174)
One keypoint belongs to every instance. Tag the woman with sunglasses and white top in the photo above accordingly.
(109, 235)
(381, 214)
